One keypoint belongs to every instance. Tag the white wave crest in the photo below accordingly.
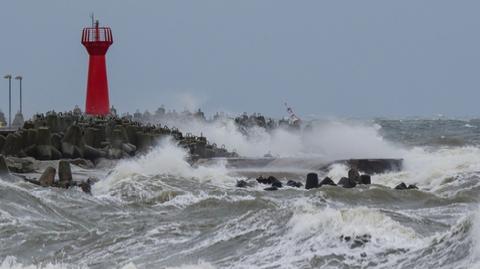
(165, 159)
(10, 262)
(199, 265)
(331, 223)
(432, 169)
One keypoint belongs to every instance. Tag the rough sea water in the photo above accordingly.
(157, 211)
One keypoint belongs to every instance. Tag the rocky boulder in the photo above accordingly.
(241, 184)
(294, 184)
(403, 186)
(47, 179)
(327, 181)
(21, 165)
(3, 167)
(312, 181)
(13, 145)
(347, 183)
(354, 175)
(365, 179)
(2, 142)
(44, 149)
(72, 143)
(64, 174)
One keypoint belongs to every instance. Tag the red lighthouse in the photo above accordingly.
(97, 40)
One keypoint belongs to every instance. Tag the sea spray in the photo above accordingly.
(433, 168)
(166, 158)
(332, 139)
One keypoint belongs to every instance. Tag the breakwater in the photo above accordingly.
(54, 136)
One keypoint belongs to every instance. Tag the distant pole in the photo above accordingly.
(9, 77)
(19, 78)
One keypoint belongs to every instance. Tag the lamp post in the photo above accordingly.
(9, 77)
(19, 78)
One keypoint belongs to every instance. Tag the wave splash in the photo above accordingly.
(168, 160)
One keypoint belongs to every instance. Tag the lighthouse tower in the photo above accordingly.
(97, 40)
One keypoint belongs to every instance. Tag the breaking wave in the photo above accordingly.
(165, 160)
(333, 139)
(158, 211)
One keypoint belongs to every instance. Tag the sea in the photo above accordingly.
(159, 210)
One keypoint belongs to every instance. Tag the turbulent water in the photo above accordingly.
(156, 211)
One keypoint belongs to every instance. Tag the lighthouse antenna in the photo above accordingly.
(92, 16)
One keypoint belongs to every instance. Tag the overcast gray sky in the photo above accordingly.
(327, 58)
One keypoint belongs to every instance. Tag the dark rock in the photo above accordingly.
(86, 164)
(92, 137)
(57, 141)
(412, 187)
(56, 154)
(144, 141)
(370, 166)
(114, 153)
(262, 180)
(3, 167)
(327, 181)
(29, 137)
(401, 186)
(357, 241)
(64, 174)
(273, 188)
(92, 153)
(21, 165)
(354, 175)
(43, 136)
(43, 152)
(356, 244)
(47, 179)
(72, 143)
(312, 181)
(13, 145)
(44, 149)
(270, 180)
(295, 184)
(132, 133)
(117, 138)
(86, 186)
(365, 179)
(52, 122)
(31, 180)
(345, 238)
(364, 238)
(31, 150)
(2, 142)
(360, 240)
(241, 184)
(92, 180)
(347, 182)
(129, 148)
(28, 125)
(277, 183)
(73, 135)
(376, 166)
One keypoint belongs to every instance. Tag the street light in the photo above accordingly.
(20, 79)
(9, 77)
